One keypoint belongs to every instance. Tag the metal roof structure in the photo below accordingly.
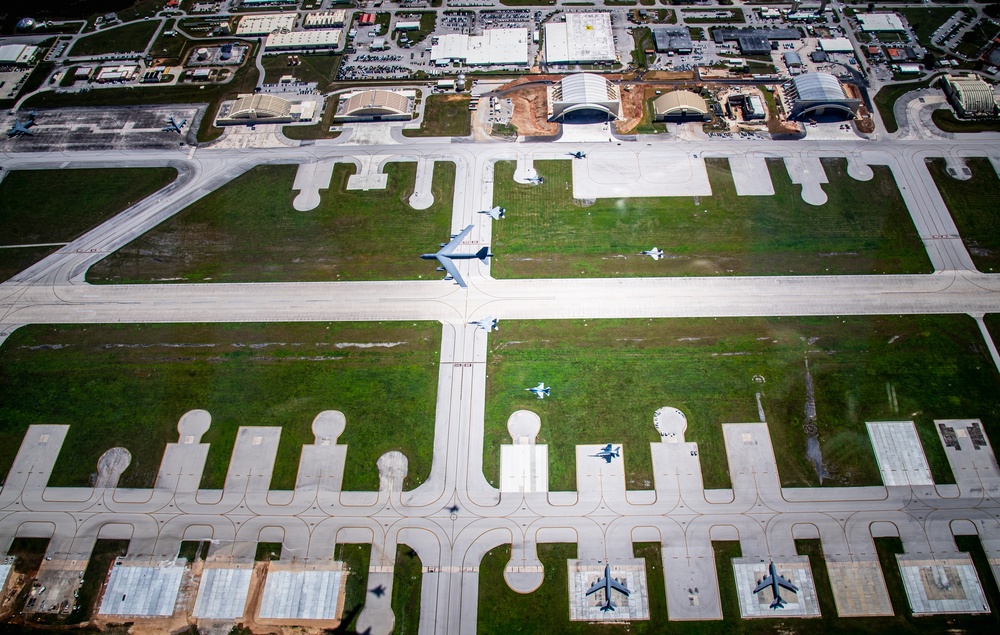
(260, 106)
(672, 38)
(376, 103)
(680, 103)
(583, 37)
(493, 47)
(317, 38)
(17, 53)
(266, 23)
(818, 94)
(880, 22)
(792, 58)
(836, 45)
(970, 95)
(583, 92)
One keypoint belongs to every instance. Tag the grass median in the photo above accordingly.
(352, 235)
(972, 204)
(128, 385)
(608, 377)
(549, 234)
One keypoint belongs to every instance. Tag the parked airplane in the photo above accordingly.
(607, 453)
(447, 254)
(540, 390)
(488, 323)
(579, 154)
(655, 253)
(608, 583)
(496, 213)
(775, 581)
(18, 129)
(173, 126)
(537, 180)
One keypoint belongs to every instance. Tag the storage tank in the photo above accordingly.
(460, 83)
(226, 52)
(202, 54)
(26, 24)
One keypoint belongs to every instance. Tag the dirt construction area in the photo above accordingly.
(531, 112)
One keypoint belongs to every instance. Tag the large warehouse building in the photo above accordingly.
(17, 54)
(681, 105)
(818, 95)
(494, 46)
(376, 105)
(673, 39)
(583, 97)
(316, 40)
(970, 95)
(266, 23)
(582, 39)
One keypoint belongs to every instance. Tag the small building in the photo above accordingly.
(254, 109)
(672, 39)
(583, 97)
(970, 95)
(376, 105)
(818, 94)
(753, 44)
(407, 25)
(316, 39)
(582, 38)
(379, 44)
(82, 72)
(325, 19)
(754, 108)
(681, 105)
(793, 60)
(880, 22)
(909, 69)
(819, 56)
(895, 54)
(266, 23)
(120, 73)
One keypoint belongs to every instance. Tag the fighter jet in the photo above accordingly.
(579, 154)
(447, 254)
(537, 180)
(488, 323)
(655, 253)
(607, 453)
(378, 591)
(540, 390)
(453, 509)
(775, 581)
(496, 213)
(608, 583)
(20, 129)
(173, 126)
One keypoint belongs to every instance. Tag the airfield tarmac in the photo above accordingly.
(602, 516)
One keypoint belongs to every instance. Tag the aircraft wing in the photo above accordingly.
(787, 585)
(607, 448)
(766, 582)
(618, 586)
(455, 242)
(449, 266)
(597, 587)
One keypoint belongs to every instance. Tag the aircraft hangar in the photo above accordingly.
(583, 96)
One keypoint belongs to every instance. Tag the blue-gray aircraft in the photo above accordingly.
(537, 180)
(607, 453)
(579, 154)
(496, 213)
(655, 253)
(173, 126)
(608, 583)
(775, 581)
(447, 254)
(540, 390)
(488, 323)
(19, 129)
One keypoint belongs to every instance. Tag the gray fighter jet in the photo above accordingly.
(540, 391)
(608, 584)
(488, 323)
(607, 453)
(775, 581)
(447, 254)
(579, 154)
(496, 213)
(655, 253)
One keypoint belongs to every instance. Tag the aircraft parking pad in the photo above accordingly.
(858, 588)
(945, 585)
(749, 571)
(584, 608)
(295, 593)
(899, 453)
(222, 594)
(142, 591)
(618, 173)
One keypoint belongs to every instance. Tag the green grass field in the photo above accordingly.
(128, 38)
(406, 583)
(356, 559)
(321, 69)
(32, 211)
(973, 207)
(608, 377)
(129, 385)
(444, 116)
(925, 21)
(549, 234)
(352, 235)
(946, 120)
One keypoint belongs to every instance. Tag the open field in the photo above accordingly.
(973, 207)
(352, 235)
(444, 116)
(549, 234)
(946, 120)
(608, 377)
(501, 610)
(32, 211)
(321, 69)
(129, 38)
(406, 582)
(129, 385)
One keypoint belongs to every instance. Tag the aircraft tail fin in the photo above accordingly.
(483, 253)
(778, 603)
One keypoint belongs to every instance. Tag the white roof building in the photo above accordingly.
(836, 45)
(494, 47)
(585, 94)
(880, 22)
(315, 39)
(265, 23)
(325, 18)
(17, 53)
(583, 37)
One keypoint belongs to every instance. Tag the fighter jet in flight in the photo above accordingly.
(607, 453)
(447, 254)
(488, 323)
(496, 213)
(19, 129)
(775, 581)
(173, 126)
(579, 154)
(608, 584)
(655, 253)
(540, 391)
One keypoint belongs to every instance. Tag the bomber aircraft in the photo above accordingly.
(447, 254)
(19, 129)
(607, 453)
(173, 126)
(540, 391)
(608, 584)
(775, 581)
